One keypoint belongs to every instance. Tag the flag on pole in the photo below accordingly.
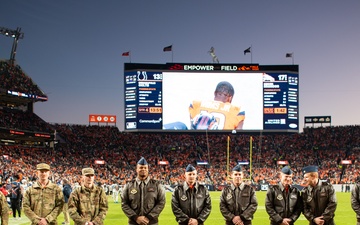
(248, 50)
(126, 54)
(289, 55)
(168, 48)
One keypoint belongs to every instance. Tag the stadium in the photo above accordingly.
(262, 150)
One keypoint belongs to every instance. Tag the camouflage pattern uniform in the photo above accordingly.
(44, 202)
(4, 210)
(88, 204)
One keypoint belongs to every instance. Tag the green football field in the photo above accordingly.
(344, 214)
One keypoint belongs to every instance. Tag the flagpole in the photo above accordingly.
(207, 143)
(228, 157)
(292, 58)
(251, 53)
(249, 50)
(169, 49)
(172, 53)
(251, 140)
(130, 56)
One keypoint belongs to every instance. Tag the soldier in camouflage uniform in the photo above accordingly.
(88, 204)
(4, 210)
(43, 202)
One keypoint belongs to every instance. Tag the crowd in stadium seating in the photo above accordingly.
(13, 78)
(81, 145)
(20, 120)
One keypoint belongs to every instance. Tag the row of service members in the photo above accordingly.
(143, 199)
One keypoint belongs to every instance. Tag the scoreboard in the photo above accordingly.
(158, 97)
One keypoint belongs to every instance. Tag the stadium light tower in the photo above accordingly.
(16, 34)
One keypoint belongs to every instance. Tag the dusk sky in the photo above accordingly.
(73, 49)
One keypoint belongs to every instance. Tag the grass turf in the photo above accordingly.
(344, 214)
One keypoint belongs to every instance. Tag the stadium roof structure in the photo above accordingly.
(15, 100)
(13, 95)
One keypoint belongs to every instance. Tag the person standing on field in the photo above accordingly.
(15, 199)
(4, 210)
(143, 198)
(283, 202)
(238, 202)
(44, 200)
(319, 198)
(115, 193)
(355, 201)
(66, 192)
(191, 202)
(88, 203)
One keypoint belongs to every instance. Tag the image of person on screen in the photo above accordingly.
(219, 113)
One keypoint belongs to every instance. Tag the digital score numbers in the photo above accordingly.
(280, 101)
(143, 100)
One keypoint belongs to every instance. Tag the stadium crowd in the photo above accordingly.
(80, 146)
(25, 121)
(13, 78)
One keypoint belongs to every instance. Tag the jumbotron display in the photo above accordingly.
(193, 97)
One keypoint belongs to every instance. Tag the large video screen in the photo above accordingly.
(195, 97)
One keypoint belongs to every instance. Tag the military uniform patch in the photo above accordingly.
(183, 198)
(229, 196)
(133, 191)
(309, 198)
(280, 197)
